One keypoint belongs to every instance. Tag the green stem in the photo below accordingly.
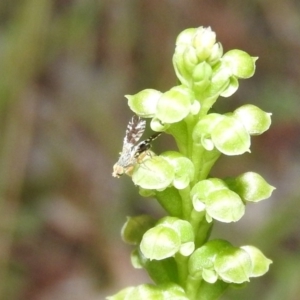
(203, 161)
(187, 206)
(192, 286)
(182, 267)
(206, 105)
(171, 200)
(201, 227)
(180, 134)
(209, 291)
(190, 124)
(196, 218)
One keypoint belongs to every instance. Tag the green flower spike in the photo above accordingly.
(176, 251)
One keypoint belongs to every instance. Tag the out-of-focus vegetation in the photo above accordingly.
(64, 68)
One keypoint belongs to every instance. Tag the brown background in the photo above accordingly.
(65, 66)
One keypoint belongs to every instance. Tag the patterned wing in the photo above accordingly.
(134, 131)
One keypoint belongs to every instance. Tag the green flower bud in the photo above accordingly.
(233, 265)
(173, 291)
(144, 103)
(201, 76)
(122, 295)
(186, 36)
(153, 174)
(160, 242)
(202, 130)
(251, 187)
(148, 291)
(260, 263)
(219, 202)
(220, 81)
(135, 227)
(201, 262)
(215, 54)
(224, 205)
(195, 108)
(184, 230)
(231, 88)
(136, 260)
(175, 104)
(145, 291)
(204, 41)
(241, 63)
(157, 125)
(181, 71)
(203, 188)
(255, 120)
(146, 193)
(231, 137)
(183, 168)
(190, 59)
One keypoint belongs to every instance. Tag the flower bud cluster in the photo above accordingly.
(200, 64)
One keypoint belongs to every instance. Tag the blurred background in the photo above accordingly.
(65, 66)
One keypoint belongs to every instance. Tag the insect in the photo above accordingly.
(132, 151)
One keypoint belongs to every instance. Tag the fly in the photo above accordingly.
(132, 151)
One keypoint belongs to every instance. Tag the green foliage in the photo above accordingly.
(175, 250)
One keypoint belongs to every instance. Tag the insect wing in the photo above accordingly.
(134, 131)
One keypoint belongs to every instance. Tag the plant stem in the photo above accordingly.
(186, 203)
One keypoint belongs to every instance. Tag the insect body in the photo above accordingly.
(132, 151)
